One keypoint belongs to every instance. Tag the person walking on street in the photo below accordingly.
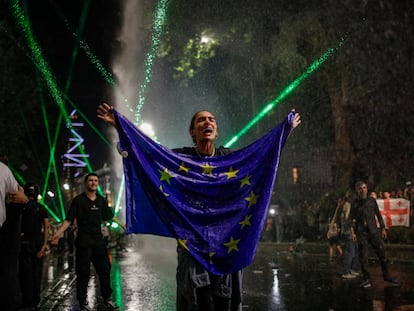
(333, 234)
(365, 214)
(351, 264)
(90, 209)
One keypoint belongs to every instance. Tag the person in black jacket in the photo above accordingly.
(368, 228)
(90, 209)
(34, 238)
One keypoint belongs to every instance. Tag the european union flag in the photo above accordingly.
(215, 207)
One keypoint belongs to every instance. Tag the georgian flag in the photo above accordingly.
(395, 212)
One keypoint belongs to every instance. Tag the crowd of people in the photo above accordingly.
(351, 225)
(310, 220)
(355, 224)
(24, 235)
(24, 241)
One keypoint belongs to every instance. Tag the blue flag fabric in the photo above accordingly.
(214, 206)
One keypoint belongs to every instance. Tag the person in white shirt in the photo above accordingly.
(7, 184)
(12, 195)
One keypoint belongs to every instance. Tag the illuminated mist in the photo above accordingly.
(128, 68)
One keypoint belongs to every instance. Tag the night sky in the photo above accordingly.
(234, 84)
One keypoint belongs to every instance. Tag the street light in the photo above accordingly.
(205, 39)
(66, 186)
(148, 130)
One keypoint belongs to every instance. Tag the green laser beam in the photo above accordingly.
(96, 62)
(119, 196)
(55, 217)
(51, 160)
(19, 177)
(42, 66)
(285, 92)
(160, 18)
(84, 117)
(64, 94)
(82, 44)
(106, 74)
(22, 20)
(84, 14)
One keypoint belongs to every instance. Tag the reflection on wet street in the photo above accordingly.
(143, 278)
(303, 281)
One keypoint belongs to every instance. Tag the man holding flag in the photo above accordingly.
(213, 200)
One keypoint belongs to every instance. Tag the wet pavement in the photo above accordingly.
(282, 277)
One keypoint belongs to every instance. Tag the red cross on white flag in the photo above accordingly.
(395, 212)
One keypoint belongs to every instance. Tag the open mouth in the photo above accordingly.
(208, 130)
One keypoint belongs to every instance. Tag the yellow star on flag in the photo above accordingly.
(165, 175)
(232, 245)
(211, 255)
(183, 168)
(207, 169)
(162, 190)
(183, 243)
(252, 199)
(246, 221)
(245, 181)
(231, 173)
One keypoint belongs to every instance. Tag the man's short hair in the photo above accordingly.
(359, 183)
(89, 175)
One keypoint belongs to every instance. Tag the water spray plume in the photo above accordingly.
(160, 17)
(106, 74)
(285, 92)
(157, 30)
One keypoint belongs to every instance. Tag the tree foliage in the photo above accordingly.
(354, 101)
(244, 54)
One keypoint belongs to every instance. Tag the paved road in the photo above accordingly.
(143, 278)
